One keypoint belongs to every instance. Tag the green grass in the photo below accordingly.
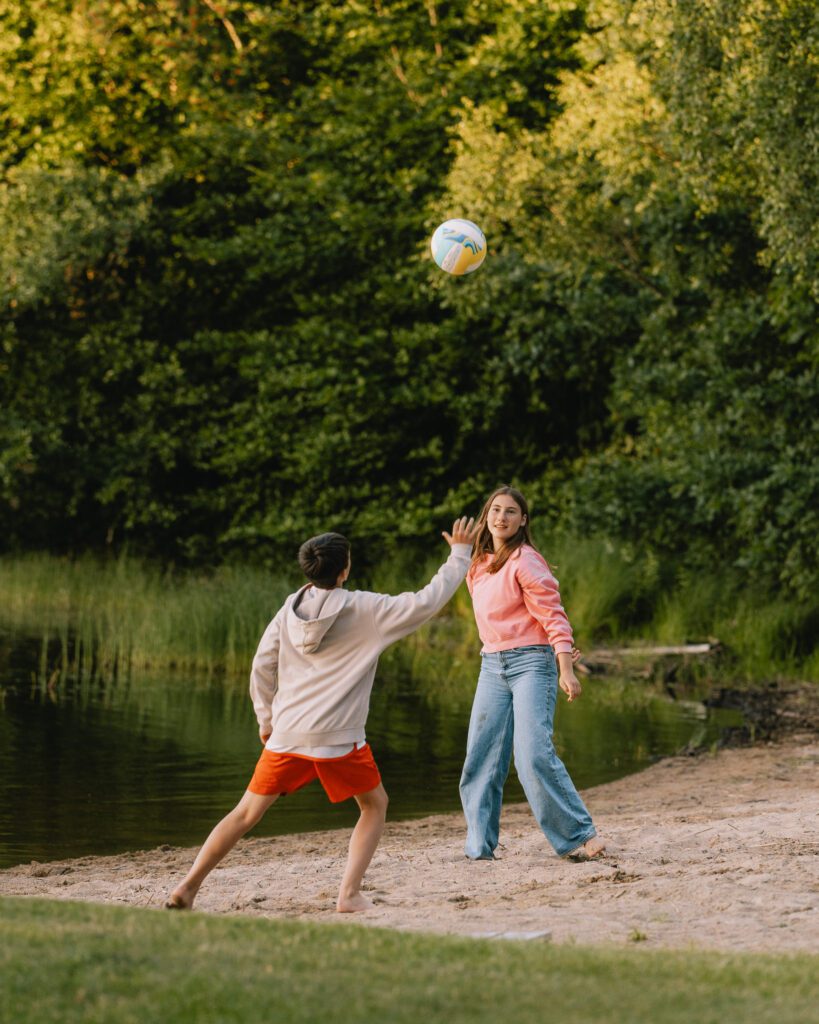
(128, 614)
(76, 962)
(765, 639)
(617, 596)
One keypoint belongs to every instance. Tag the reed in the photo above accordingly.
(616, 594)
(127, 614)
(610, 589)
(765, 638)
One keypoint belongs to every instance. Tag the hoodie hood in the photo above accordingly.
(312, 615)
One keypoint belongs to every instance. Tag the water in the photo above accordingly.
(98, 767)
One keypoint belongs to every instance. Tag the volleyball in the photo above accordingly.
(458, 246)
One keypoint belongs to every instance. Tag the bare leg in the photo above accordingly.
(363, 843)
(220, 842)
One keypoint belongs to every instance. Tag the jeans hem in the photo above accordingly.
(571, 849)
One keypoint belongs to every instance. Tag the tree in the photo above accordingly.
(252, 325)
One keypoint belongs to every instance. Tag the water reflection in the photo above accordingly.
(101, 766)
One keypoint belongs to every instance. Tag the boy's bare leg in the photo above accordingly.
(220, 842)
(363, 843)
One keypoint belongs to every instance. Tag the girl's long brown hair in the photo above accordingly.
(482, 544)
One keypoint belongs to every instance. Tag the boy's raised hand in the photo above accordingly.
(463, 531)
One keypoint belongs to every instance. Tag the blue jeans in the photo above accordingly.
(514, 706)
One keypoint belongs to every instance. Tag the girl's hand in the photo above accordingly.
(264, 736)
(569, 684)
(463, 531)
(567, 680)
(576, 655)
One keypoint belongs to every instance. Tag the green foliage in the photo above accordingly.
(221, 330)
(712, 407)
(707, 326)
(246, 356)
(741, 81)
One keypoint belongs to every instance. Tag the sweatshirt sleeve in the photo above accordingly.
(542, 599)
(264, 676)
(398, 616)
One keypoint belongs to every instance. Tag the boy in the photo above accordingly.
(310, 685)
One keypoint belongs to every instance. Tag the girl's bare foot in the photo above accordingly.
(592, 848)
(353, 904)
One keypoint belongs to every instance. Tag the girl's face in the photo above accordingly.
(505, 518)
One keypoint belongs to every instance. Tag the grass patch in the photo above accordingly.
(67, 962)
(772, 639)
(618, 596)
(125, 614)
(107, 616)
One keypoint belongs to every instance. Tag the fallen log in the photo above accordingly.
(652, 660)
(646, 651)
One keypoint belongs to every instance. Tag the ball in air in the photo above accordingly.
(458, 246)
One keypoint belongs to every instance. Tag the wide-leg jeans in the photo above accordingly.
(514, 709)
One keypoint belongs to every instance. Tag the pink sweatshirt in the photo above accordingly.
(519, 605)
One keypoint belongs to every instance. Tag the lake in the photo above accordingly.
(96, 766)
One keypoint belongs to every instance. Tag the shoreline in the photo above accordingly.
(715, 851)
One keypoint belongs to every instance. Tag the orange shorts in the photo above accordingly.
(342, 777)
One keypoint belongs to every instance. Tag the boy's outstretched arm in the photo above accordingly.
(264, 676)
(463, 532)
(398, 616)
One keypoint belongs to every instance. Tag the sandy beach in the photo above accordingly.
(716, 851)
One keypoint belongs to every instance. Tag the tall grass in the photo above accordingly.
(609, 589)
(129, 614)
(616, 594)
(764, 639)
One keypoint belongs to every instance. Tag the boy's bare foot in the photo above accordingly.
(179, 900)
(353, 904)
(592, 848)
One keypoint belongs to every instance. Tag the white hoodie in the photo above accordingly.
(312, 677)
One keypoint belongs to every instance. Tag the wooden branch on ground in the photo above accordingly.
(643, 659)
(604, 653)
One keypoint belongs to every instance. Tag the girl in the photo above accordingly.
(524, 630)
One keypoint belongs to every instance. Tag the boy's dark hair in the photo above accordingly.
(324, 558)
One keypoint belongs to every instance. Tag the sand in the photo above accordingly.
(714, 851)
